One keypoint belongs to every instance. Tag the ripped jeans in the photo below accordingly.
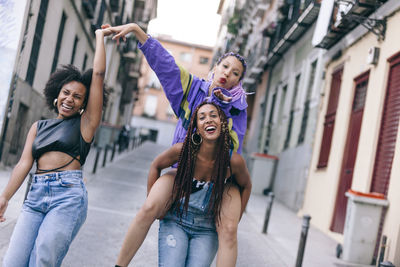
(191, 240)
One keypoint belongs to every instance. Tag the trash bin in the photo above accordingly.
(262, 169)
(361, 226)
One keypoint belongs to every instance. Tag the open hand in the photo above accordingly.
(218, 93)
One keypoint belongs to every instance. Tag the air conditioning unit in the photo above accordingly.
(373, 55)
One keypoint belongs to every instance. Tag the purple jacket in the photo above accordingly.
(186, 91)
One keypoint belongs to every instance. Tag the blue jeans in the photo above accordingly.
(51, 216)
(191, 240)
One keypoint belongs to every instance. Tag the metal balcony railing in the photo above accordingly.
(296, 19)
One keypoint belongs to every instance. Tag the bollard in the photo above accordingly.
(105, 155)
(96, 159)
(303, 239)
(28, 185)
(133, 142)
(387, 264)
(113, 151)
(382, 251)
(268, 211)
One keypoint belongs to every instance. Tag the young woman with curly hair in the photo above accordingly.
(56, 205)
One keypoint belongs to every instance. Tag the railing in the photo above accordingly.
(291, 14)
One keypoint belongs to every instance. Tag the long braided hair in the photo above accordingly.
(187, 161)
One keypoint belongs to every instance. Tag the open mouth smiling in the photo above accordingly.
(210, 129)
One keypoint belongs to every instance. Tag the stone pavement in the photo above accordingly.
(116, 193)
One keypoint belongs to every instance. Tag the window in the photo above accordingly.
(59, 40)
(330, 116)
(84, 62)
(150, 106)
(101, 13)
(153, 81)
(292, 109)
(271, 115)
(204, 60)
(185, 57)
(170, 112)
(306, 110)
(17, 140)
(74, 49)
(282, 104)
(37, 40)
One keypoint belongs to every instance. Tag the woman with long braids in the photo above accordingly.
(187, 233)
(56, 205)
(185, 92)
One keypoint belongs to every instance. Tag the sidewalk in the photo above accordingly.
(116, 193)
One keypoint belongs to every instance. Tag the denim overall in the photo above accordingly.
(191, 240)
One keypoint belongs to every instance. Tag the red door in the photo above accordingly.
(387, 136)
(350, 152)
(388, 130)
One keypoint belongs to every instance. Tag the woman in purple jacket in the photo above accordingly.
(185, 92)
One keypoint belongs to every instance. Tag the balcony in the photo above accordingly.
(256, 61)
(295, 20)
(348, 14)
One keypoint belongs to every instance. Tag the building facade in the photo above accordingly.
(62, 32)
(284, 73)
(356, 143)
(152, 114)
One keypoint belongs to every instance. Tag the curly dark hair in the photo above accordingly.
(64, 75)
(186, 165)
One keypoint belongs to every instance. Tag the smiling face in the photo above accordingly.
(70, 99)
(227, 73)
(208, 122)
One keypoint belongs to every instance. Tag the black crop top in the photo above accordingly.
(62, 135)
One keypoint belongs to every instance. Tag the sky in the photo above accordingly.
(194, 21)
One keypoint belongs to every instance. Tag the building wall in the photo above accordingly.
(323, 183)
(292, 167)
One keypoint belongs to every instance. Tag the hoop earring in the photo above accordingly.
(198, 137)
(81, 111)
(55, 102)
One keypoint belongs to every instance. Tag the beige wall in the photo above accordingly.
(322, 184)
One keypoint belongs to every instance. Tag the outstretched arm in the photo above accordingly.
(242, 177)
(162, 161)
(175, 80)
(19, 172)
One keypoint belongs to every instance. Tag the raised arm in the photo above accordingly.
(19, 172)
(92, 116)
(242, 177)
(162, 161)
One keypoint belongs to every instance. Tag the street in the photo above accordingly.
(116, 193)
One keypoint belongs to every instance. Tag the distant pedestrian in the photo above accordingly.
(206, 169)
(56, 205)
(123, 138)
(185, 92)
